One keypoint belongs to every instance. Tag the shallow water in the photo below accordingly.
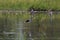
(42, 26)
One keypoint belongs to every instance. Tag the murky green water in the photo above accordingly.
(24, 26)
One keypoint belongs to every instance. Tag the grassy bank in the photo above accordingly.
(26, 4)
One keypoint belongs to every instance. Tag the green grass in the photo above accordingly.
(25, 4)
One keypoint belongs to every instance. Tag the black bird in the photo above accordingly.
(27, 21)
